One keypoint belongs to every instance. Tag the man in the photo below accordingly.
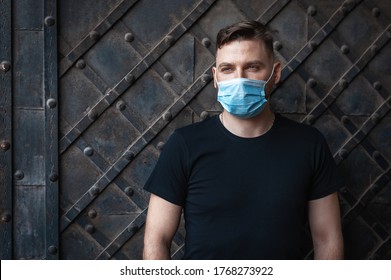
(247, 179)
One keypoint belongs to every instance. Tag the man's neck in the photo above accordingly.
(248, 128)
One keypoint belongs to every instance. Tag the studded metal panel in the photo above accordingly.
(28, 134)
(130, 72)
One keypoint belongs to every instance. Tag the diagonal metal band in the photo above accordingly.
(134, 149)
(90, 40)
(135, 73)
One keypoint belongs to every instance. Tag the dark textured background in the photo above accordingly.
(77, 147)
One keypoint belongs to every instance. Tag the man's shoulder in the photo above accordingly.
(297, 128)
(197, 129)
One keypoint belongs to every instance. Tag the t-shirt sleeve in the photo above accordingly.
(326, 176)
(168, 180)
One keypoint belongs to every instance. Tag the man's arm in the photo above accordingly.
(325, 225)
(162, 222)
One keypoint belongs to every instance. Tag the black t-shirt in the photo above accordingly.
(244, 198)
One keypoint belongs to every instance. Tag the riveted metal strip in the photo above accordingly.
(348, 77)
(274, 9)
(84, 222)
(317, 39)
(178, 252)
(135, 73)
(6, 197)
(92, 38)
(383, 249)
(51, 128)
(367, 196)
(137, 146)
(376, 187)
(127, 188)
(124, 236)
(364, 130)
(93, 77)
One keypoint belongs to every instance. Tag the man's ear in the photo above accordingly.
(277, 72)
(214, 77)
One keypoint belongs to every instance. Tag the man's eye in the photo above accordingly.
(253, 67)
(226, 69)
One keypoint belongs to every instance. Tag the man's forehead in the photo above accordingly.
(238, 43)
(243, 54)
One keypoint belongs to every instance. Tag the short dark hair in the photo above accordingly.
(245, 30)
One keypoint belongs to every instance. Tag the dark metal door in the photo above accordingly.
(130, 72)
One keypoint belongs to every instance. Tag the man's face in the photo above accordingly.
(245, 59)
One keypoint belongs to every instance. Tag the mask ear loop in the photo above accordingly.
(271, 75)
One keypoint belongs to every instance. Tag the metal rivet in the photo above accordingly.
(19, 175)
(121, 105)
(376, 155)
(311, 10)
(51, 103)
(6, 217)
(5, 145)
(94, 190)
(343, 153)
(375, 12)
(89, 228)
(374, 49)
(204, 115)
(206, 42)
(345, 120)
(375, 118)
(129, 78)
(129, 37)
(132, 228)
(377, 85)
(343, 11)
(168, 76)
(92, 213)
(167, 116)
(311, 82)
(50, 21)
(5, 66)
(277, 45)
(310, 119)
(52, 250)
(94, 35)
(53, 177)
(205, 78)
(81, 64)
(88, 151)
(313, 45)
(92, 115)
(129, 191)
(345, 49)
(169, 40)
(129, 155)
(343, 83)
(160, 146)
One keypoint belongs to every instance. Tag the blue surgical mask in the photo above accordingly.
(243, 98)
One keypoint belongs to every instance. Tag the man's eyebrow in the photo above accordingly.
(251, 62)
(224, 64)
